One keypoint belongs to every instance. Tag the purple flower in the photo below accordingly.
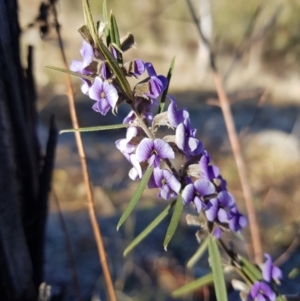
(125, 145)
(236, 220)
(87, 54)
(154, 150)
(195, 192)
(186, 141)
(105, 94)
(135, 172)
(219, 207)
(261, 291)
(270, 271)
(157, 84)
(211, 172)
(129, 119)
(166, 181)
(175, 116)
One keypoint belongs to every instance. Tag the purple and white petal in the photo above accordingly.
(204, 187)
(188, 194)
(222, 216)
(87, 54)
(217, 233)
(150, 69)
(158, 176)
(139, 67)
(226, 199)
(163, 149)
(212, 209)
(171, 181)
(76, 66)
(165, 192)
(198, 203)
(181, 136)
(96, 90)
(101, 106)
(144, 150)
(129, 118)
(111, 94)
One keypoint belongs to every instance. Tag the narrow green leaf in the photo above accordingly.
(163, 97)
(96, 128)
(190, 287)
(115, 37)
(174, 221)
(251, 271)
(70, 72)
(217, 270)
(136, 196)
(88, 16)
(106, 21)
(149, 229)
(116, 68)
(198, 254)
(281, 298)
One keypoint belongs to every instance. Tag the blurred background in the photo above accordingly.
(257, 47)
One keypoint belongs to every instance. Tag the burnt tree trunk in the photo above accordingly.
(24, 174)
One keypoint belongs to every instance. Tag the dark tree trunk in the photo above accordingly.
(24, 174)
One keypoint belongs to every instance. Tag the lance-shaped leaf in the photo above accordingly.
(115, 37)
(149, 229)
(174, 221)
(70, 72)
(217, 270)
(96, 128)
(138, 193)
(105, 52)
(192, 286)
(250, 270)
(198, 254)
(164, 95)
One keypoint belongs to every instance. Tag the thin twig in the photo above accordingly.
(81, 152)
(235, 145)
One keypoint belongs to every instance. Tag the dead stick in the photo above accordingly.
(235, 145)
(86, 177)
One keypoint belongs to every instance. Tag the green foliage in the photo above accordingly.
(70, 72)
(164, 95)
(96, 128)
(174, 221)
(137, 195)
(198, 254)
(193, 285)
(149, 228)
(217, 270)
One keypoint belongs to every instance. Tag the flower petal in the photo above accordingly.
(212, 209)
(101, 106)
(111, 94)
(165, 192)
(171, 181)
(87, 54)
(204, 187)
(163, 149)
(187, 194)
(96, 89)
(180, 136)
(198, 203)
(144, 150)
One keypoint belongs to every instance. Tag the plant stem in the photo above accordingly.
(86, 177)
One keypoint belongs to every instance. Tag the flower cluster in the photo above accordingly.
(199, 182)
(262, 290)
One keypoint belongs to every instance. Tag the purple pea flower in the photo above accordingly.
(269, 271)
(194, 192)
(105, 94)
(157, 83)
(237, 221)
(135, 172)
(186, 141)
(129, 119)
(166, 181)
(87, 54)
(175, 117)
(211, 172)
(154, 150)
(125, 145)
(261, 291)
(219, 207)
